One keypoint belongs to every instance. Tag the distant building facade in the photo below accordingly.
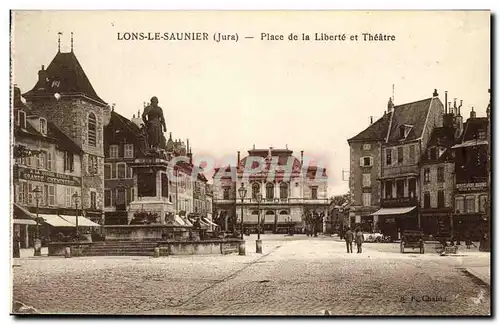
(291, 192)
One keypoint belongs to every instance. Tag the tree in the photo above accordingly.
(341, 199)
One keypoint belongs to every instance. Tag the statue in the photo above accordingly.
(155, 123)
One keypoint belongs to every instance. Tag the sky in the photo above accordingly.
(228, 96)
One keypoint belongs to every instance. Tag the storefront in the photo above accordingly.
(393, 221)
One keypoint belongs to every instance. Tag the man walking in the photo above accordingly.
(349, 236)
(359, 238)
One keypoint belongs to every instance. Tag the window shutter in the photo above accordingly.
(361, 161)
(371, 161)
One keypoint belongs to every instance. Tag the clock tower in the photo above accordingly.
(64, 95)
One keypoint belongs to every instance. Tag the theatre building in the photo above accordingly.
(292, 194)
(409, 132)
(471, 185)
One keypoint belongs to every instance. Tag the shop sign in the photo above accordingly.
(47, 176)
(472, 187)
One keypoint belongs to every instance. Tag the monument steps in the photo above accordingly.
(122, 248)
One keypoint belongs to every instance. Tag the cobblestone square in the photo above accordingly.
(295, 276)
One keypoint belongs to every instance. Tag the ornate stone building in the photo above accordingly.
(291, 192)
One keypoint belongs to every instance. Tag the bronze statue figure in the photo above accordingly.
(155, 123)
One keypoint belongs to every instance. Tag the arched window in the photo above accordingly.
(255, 212)
(255, 190)
(283, 212)
(284, 190)
(270, 191)
(92, 130)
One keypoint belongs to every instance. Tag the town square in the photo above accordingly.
(206, 177)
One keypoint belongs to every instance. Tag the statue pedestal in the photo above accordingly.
(151, 189)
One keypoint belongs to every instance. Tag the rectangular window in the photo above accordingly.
(41, 160)
(23, 192)
(107, 198)
(93, 200)
(470, 205)
(367, 199)
(459, 205)
(440, 199)
(129, 150)
(130, 172)
(21, 119)
(366, 161)
(113, 151)
(483, 203)
(314, 193)
(107, 171)
(121, 170)
(30, 193)
(68, 161)
(427, 200)
(367, 146)
(20, 193)
(49, 161)
(52, 195)
(113, 170)
(411, 156)
(68, 197)
(388, 189)
(427, 175)
(400, 188)
(388, 157)
(412, 187)
(440, 174)
(43, 126)
(92, 165)
(45, 194)
(400, 155)
(226, 193)
(367, 180)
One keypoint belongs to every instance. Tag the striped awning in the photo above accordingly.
(82, 221)
(393, 211)
(56, 221)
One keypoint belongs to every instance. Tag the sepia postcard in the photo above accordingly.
(317, 163)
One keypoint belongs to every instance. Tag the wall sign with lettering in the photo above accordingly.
(46, 176)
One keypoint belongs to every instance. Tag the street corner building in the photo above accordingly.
(420, 167)
(58, 152)
(285, 194)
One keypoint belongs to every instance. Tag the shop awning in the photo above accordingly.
(24, 222)
(82, 221)
(56, 221)
(470, 143)
(182, 221)
(22, 213)
(393, 211)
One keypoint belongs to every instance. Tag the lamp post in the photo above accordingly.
(258, 242)
(37, 242)
(242, 191)
(75, 199)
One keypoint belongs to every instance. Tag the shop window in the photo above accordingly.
(470, 204)
(459, 205)
(483, 203)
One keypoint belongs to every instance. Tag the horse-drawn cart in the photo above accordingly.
(412, 239)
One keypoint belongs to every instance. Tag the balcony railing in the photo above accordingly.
(400, 170)
(399, 202)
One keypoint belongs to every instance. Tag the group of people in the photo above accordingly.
(357, 237)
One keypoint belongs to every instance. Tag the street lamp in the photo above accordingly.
(258, 242)
(242, 191)
(37, 243)
(75, 199)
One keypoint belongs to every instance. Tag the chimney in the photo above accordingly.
(238, 161)
(170, 138)
(446, 102)
(461, 102)
(301, 157)
(42, 76)
(390, 105)
(133, 116)
(459, 122)
(435, 93)
(187, 145)
(371, 120)
(472, 113)
(113, 107)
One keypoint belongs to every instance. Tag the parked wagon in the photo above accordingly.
(412, 239)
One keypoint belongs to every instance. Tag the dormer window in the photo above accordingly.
(21, 119)
(43, 126)
(402, 132)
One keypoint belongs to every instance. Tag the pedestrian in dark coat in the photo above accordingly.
(349, 237)
(359, 238)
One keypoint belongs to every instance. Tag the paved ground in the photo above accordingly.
(295, 276)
